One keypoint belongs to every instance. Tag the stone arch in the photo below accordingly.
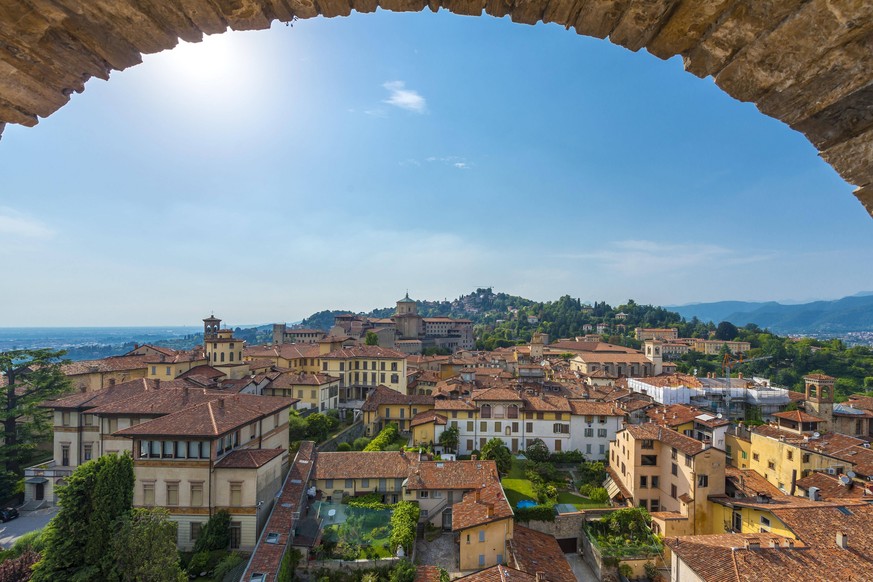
(806, 63)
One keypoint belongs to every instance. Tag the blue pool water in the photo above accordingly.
(525, 503)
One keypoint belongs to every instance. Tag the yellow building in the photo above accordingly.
(342, 474)
(484, 524)
(427, 427)
(296, 357)
(384, 405)
(363, 368)
(318, 391)
(170, 367)
(714, 347)
(93, 375)
(669, 474)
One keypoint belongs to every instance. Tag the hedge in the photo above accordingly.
(384, 439)
(535, 513)
(404, 521)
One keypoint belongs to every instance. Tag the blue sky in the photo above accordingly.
(336, 163)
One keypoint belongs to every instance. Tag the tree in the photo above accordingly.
(537, 451)
(298, 427)
(450, 438)
(215, 535)
(97, 496)
(32, 377)
(144, 547)
(319, 426)
(495, 450)
(371, 339)
(726, 331)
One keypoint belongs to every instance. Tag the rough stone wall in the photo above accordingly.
(808, 63)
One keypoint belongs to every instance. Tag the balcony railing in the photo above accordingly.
(48, 469)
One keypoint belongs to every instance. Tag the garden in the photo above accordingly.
(366, 529)
(542, 480)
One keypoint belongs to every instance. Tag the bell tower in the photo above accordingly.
(820, 397)
(211, 325)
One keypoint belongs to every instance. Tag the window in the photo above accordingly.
(806, 457)
(469, 426)
(88, 451)
(394, 378)
(364, 483)
(557, 445)
(236, 495)
(644, 504)
(65, 455)
(89, 419)
(655, 481)
(197, 494)
(644, 482)
(602, 420)
(468, 538)
(703, 480)
(744, 455)
(154, 370)
(481, 560)
(601, 432)
(765, 521)
(647, 444)
(649, 460)
(393, 367)
(167, 371)
(675, 469)
(173, 493)
(328, 484)
(350, 483)
(771, 465)
(529, 426)
(469, 444)
(481, 535)
(588, 449)
(674, 454)
(756, 457)
(789, 455)
(688, 460)
(148, 493)
(655, 505)
(485, 412)
(423, 494)
(196, 526)
(235, 535)
(382, 366)
(673, 491)
(589, 432)
(602, 449)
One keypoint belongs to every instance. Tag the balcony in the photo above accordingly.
(49, 469)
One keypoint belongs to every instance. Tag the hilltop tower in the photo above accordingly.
(536, 346)
(407, 319)
(654, 355)
(820, 397)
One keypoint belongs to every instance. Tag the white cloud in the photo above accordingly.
(404, 98)
(15, 223)
(644, 257)
(462, 165)
(453, 161)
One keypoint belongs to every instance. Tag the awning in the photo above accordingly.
(36, 480)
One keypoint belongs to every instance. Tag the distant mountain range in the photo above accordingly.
(849, 314)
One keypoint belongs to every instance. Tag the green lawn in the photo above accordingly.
(577, 500)
(516, 485)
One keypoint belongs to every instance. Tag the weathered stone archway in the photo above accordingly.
(808, 63)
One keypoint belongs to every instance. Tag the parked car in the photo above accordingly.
(8, 513)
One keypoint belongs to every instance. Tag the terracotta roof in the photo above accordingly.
(165, 400)
(546, 403)
(591, 408)
(248, 458)
(499, 573)
(749, 482)
(672, 381)
(213, 418)
(364, 352)
(830, 488)
(671, 438)
(116, 393)
(443, 404)
(205, 371)
(178, 357)
(798, 416)
(112, 364)
(384, 395)
(861, 401)
(481, 506)
(817, 523)
(493, 394)
(673, 415)
(427, 574)
(457, 475)
(284, 351)
(819, 377)
(267, 557)
(427, 417)
(294, 379)
(535, 552)
(361, 465)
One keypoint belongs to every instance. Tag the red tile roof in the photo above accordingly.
(360, 465)
(669, 437)
(248, 458)
(535, 552)
(456, 475)
(798, 416)
(427, 417)
(384, 395)
(213, 418)
(481, 506)
(375, 352)
(499, 573)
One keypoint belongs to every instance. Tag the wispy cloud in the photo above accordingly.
(14, 223)
(400, 96)
(453, 161)
(646, 257)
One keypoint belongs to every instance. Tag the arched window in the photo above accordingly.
(486, 411)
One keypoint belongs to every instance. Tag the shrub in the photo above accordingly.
(18, 569)
(215, 535)
(404, 521)
(625, 570)
(535, 513)
(368, 501)
(360, 443)
(600, 495)
(651, 571)
(567, 457)
(289, 565)
(199, 563)
(384, 439)
(537, 451)
(343, 447)
(226, 565)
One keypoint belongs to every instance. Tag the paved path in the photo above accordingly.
(440, 552)
(580, 568)
(28, 521)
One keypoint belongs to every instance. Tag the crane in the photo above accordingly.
(730, 361)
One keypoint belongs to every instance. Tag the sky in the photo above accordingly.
(336, 163)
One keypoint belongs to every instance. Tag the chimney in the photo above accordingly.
(474, 457)
(157, 383)
(221, 403)
(477, 495)
(185, 391)
(842, 540)
(490, 510)
(541, 577)
(750, 545)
